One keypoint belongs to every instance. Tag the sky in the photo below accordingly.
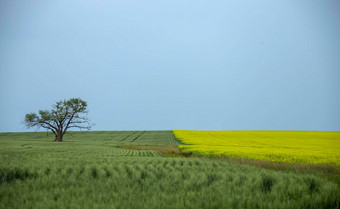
(174, 64)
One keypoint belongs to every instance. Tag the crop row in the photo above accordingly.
(93, 137)
(148, 138)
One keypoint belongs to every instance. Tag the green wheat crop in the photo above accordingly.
(91, 171)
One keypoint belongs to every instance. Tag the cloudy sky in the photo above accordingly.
(168, 64)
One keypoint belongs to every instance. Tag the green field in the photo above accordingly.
(91, 170)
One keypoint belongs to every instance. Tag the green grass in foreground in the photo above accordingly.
(90, 171)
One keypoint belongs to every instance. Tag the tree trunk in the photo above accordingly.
(59, 137)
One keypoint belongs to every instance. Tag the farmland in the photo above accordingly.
(306, 147)
(92, 170)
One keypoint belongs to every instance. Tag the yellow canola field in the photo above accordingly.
(311, 147)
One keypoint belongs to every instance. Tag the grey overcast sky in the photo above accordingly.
(174, 64)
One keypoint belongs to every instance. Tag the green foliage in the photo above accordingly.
(31, 117)
(45, 115)
(95, 173)
(65, 114)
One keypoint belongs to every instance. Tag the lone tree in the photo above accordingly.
(64, 115)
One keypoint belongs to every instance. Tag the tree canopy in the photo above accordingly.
(64, 115)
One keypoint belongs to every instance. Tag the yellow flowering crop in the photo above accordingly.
(312, 147)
